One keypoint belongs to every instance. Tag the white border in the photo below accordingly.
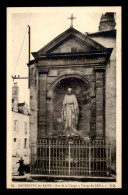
(118, 183)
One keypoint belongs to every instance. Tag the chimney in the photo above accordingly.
(15, 97)
(107, 21)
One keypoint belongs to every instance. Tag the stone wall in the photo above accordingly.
(110, 105)
(47, 75)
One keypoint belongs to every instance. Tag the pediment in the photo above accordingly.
(71, 44)
(70, 41)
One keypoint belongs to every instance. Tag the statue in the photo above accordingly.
(70, 111)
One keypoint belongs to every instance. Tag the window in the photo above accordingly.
(15, 125)
(73, 49)
(19, 143)
(25, 127)
(25, 143)
(14, 139)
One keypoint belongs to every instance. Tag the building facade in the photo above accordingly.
(85, 63)
(107, 37)
(20, 125)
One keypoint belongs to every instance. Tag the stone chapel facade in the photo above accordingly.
(73, 60)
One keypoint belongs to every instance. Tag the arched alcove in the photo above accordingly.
(77, 76)
(83, 91)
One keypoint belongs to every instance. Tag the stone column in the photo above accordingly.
(100, 103)
(33, 126)
(93, 117)
(49, 115)
(42, 105)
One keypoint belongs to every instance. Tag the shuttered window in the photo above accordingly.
(16, 128)
(25, 127)
(25, 143)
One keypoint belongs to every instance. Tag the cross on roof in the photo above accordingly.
(72, 18)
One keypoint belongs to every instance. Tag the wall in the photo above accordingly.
(20, 134)
(110, 94)
(50, 70)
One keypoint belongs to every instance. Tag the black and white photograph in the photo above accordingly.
(64, 97)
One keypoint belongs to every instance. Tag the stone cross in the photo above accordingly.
(72, 18)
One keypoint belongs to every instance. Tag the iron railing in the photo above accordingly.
(73, 156)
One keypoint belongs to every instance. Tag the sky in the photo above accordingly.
(46, 23)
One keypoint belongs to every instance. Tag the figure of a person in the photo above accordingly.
(21, 164)
(70, 111)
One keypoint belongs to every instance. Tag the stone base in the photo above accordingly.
(61, 178)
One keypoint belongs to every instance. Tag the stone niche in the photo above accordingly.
(54, 104)
(52, 89)
(48, 88)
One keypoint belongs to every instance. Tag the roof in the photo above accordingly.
(19, 112)
(20, 108)
(71, 32)
(108, 16)
(109, 33)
